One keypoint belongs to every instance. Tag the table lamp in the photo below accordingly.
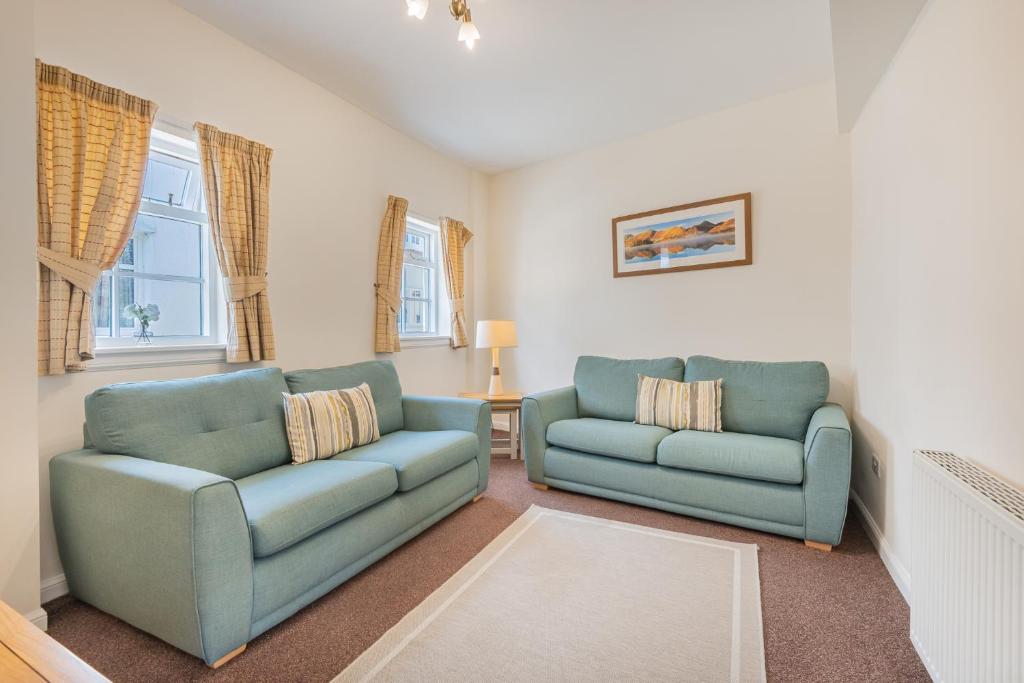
(495, 335)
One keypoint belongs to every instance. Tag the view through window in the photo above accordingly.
(167, 262)
(418, 315)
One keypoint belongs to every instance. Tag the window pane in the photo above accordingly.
(166, 178)
(127, 260)
(416, 246)
(416, 282)
(416, 317)
(180, 303)
(125, 297)
(101, 308)
(165, 246)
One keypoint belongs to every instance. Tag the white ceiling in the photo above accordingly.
(548, 76)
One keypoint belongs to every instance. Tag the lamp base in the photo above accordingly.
(495, 388)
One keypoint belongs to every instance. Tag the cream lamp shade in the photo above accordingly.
(496, 335)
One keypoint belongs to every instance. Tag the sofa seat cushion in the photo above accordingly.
(289, 503)
(764, 458)
(418, 457)
(611, 438)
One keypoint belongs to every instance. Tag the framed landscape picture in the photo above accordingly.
(711, 234)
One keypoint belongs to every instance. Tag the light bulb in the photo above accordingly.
(468, 33)
(417, 8)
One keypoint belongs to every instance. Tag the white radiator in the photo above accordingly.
(967, 572)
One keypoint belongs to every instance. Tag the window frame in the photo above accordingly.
(440, 332)
(209, 346)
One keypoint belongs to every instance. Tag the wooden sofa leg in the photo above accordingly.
(823, 547)
(539, 487)
(227, 658)
(477, 497)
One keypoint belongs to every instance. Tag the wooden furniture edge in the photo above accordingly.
(228, 657)
(41, 653)
(823, 547)
(13, 668)
(539, 487)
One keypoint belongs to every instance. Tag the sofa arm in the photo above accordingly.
(432, 413)
(163, 547)
(828, 452)
(539, 411)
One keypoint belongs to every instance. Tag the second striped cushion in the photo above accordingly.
(679, 405)
(322, 424)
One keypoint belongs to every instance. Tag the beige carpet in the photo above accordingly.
(559, 596)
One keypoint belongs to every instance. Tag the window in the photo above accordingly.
(168, 260)
(419, 315)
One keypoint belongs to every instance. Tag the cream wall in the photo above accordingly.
(550, 250)
(333, 167)
(938, 287)
(19, 479)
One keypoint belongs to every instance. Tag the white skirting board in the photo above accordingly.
(52, 588)
(899, 573)
(38, 617)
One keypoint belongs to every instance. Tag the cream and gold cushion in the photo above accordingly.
(679, 405)
(324, 423)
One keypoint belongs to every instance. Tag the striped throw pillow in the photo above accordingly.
(679, 405)
(324, 423)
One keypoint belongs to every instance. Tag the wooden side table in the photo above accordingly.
(504, 403)
(27, 654)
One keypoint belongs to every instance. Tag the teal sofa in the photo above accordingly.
(782, 463)
(184, 516)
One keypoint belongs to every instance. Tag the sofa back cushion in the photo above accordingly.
(230, 424)
(379, 374)
(770, 399)
(606, 387)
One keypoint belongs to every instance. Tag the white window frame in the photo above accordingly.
(117, 352)
(441, 333)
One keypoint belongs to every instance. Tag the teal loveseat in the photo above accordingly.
(781, 463)
(184, 516)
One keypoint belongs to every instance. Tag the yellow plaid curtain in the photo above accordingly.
(236, 181)
(390, 252)
(92, 148)
(454, 237)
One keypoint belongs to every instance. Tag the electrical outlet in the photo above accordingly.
(875, 466)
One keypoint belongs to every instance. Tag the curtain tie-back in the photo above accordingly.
(81, 274)
(458, 306)
(385, 294)
(244, 286)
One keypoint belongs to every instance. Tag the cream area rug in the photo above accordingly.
(565, 597)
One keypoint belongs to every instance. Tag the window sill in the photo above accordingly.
(417, 342)
(156, 356)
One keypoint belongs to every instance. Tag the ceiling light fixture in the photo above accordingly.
(417, 8)
(468, 32)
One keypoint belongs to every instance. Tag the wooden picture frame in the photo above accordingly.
(694, 236)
